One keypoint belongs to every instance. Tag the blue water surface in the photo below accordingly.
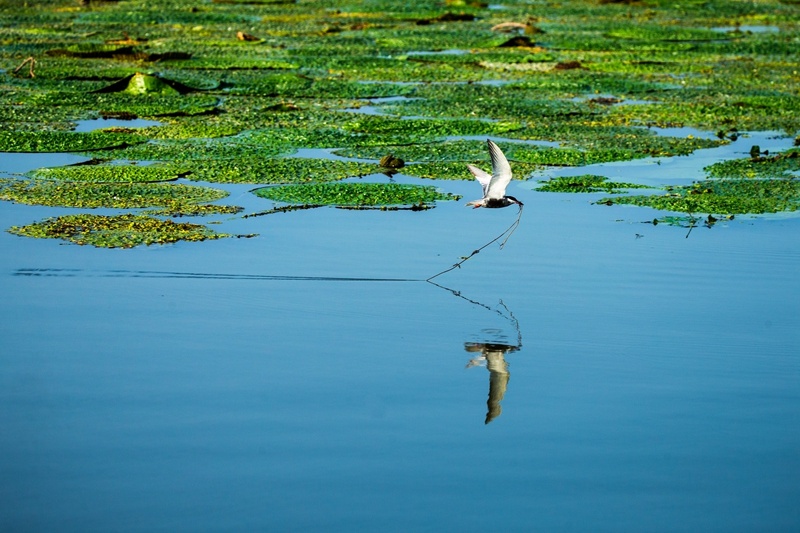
(648, 380)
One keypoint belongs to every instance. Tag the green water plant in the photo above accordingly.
(723, 197)
(119, 231)
(784, 165)
(141, 84)
(355, 194)
(453, 170)
(117, 195)
(104, 173)
(585, 183)
(195, 210)
(61, 141)
(239, 86)
(276, 170)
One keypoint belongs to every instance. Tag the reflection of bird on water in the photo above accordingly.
(493, 355)
(494, 185)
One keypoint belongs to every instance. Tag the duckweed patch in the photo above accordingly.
(60, 141)
(723, 197)
(585, 184)
(140, 83)
(240, 85)
(120, 231)
(278, 170)
(415, 130)
(458, 170)
(355, 194)
(783, 165)
(111, 173)
(117, 195)
(192, 210)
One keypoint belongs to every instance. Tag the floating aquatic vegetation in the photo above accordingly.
(99, 173)
(120, 231)
(116, 51)
(755, 185)
(208, 149)
(585, 183)
(345, 89)
(277, 170)
(388, 130)
(718, 112)
(723, 197)
(689, 221)
(229, 106)
(148, 106)
(285, 84)
(140, 83)
(59, 141)
(510, 104)
(195, 210)
(355, 194)
(92, 195)
(670, 34)
(196, 131)
(783, 165)
(458, 170)
(421, 152)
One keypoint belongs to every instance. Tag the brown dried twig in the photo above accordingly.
(31, 61)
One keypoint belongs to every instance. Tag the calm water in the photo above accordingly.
(640, 380)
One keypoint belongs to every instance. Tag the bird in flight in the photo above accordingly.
(494, 184)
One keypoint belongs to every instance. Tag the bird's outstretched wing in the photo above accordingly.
(501, 173)
(483, 177)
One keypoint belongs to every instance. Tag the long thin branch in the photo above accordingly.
(507, 233)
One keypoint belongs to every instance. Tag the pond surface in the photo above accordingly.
(636, 379)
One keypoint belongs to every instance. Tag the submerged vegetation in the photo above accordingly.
(238, 87)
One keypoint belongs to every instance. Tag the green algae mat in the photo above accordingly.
(238, 87)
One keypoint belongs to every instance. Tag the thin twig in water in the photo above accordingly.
(692, 221)
(282, 209)
(31, 62)
(507, 233)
